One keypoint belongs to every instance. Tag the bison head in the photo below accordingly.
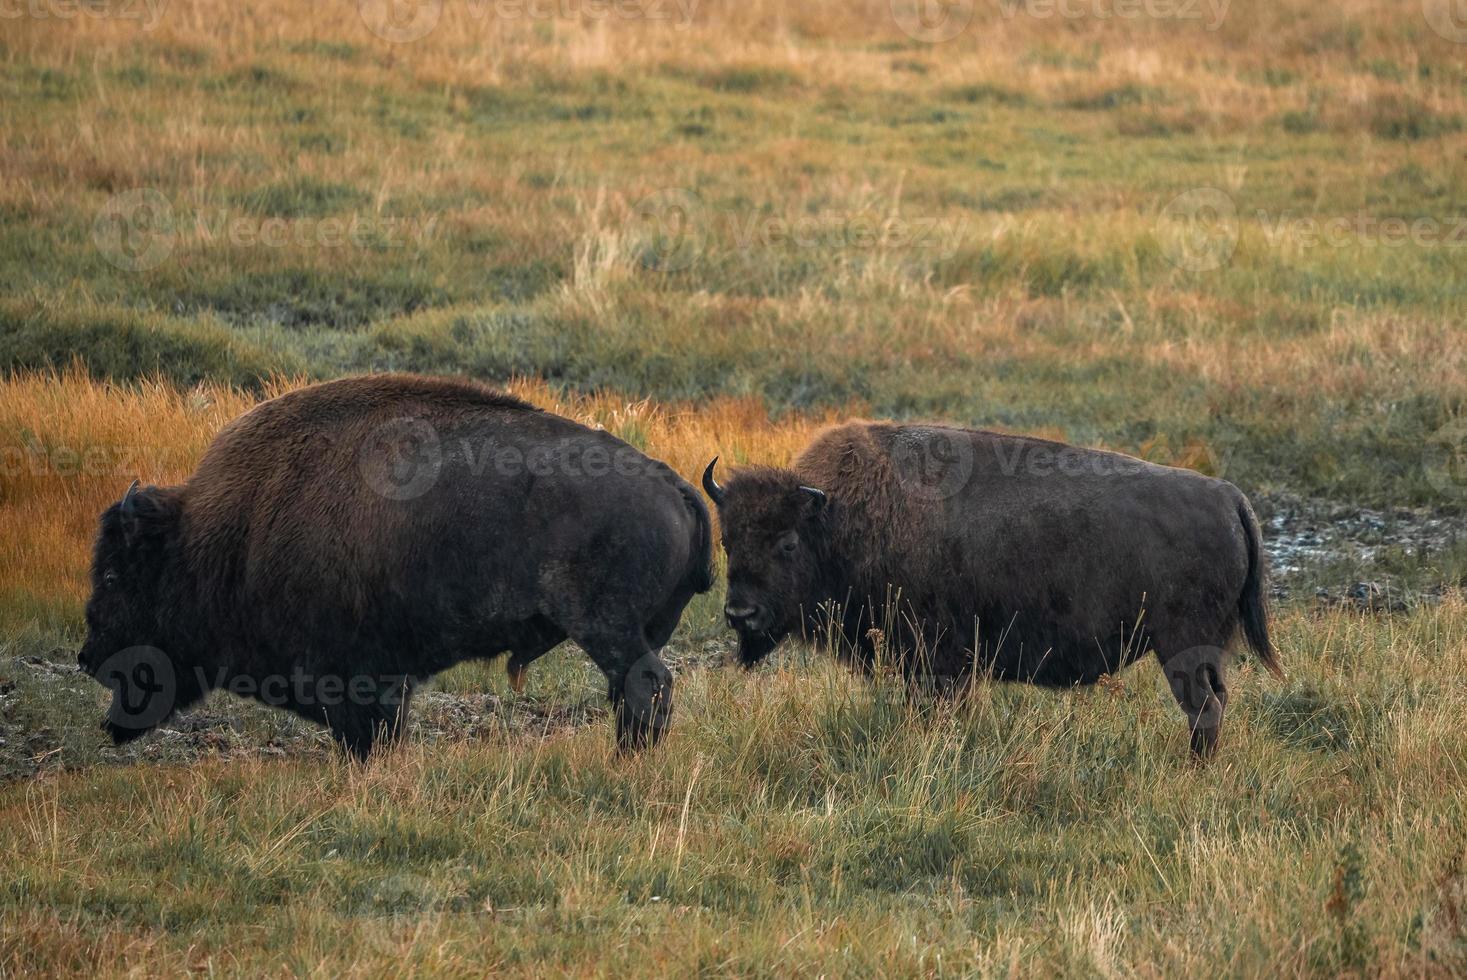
(774, 533)
(122, 649)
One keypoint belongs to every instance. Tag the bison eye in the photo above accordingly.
(789, 544)
(109, 578)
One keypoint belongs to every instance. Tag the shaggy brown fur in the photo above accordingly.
(1029, 559)
(378, 530)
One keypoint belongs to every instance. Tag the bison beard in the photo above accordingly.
(1021, 558)
(343, 542)
(755, 645)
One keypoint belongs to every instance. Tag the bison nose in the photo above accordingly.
(745, 619)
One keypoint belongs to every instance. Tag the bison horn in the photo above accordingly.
(129, 506)
(710, 486)
(817, 497)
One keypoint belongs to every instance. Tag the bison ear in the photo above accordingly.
(815, 500)
(145, 513)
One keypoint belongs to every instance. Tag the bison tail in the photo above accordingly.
(701, 572)
(1253, 604)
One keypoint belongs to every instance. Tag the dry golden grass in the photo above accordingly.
(118, 141)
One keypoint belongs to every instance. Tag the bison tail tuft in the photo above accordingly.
(1253, 603)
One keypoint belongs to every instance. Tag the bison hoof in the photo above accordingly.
(122, 734)
(645, 706)
(1204, 743)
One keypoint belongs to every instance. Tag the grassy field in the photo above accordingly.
(1230, 237)
(802, 822)
(1096, 225)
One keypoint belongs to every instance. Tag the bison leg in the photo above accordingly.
(1198, 682)
(520, 660)
(516, 669)
(375, 709)
(645, 705)
(659, 628)
(638, 684)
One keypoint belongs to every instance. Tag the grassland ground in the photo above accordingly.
(1232, 243)
(798, 819)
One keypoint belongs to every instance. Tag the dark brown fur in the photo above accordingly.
(290, 550)
(1029, 559)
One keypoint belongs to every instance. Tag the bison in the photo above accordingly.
(341, 543)
(976, 552)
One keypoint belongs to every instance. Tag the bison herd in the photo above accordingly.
(342, 543)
